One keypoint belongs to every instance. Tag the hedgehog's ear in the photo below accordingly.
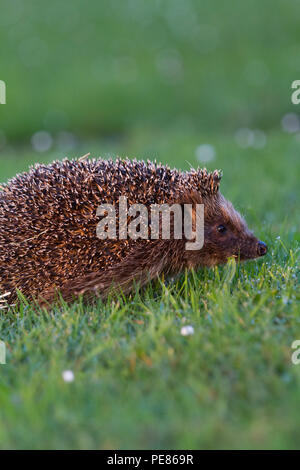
(215, 179)
(210, 182)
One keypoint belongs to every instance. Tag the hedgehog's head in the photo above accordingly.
(226, 234)
(225, 231)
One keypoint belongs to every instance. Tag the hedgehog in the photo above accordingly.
(49, 247)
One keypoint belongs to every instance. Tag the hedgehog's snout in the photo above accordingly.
(261, 248)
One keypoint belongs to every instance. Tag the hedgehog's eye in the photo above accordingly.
(221, 229)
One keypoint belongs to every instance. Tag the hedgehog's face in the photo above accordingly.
(226, 234)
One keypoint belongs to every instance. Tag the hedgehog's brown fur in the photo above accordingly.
(48, 223)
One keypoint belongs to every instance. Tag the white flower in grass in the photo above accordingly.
(68, 376)
(187, 330)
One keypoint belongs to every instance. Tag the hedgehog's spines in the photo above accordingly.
(57, 203)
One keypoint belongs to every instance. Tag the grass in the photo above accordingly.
(138, 382)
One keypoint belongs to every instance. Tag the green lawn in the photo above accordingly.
(138, 382)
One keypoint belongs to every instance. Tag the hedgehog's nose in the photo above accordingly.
(261, 248)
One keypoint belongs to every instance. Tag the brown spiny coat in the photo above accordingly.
(48, 221)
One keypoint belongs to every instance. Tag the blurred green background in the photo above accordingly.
(187, 82)
(105, 68)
